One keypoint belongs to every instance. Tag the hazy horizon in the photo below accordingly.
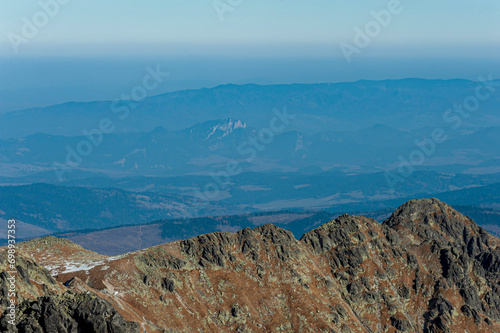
(53, 52)
(40, 82)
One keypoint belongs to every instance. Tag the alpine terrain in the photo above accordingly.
(427, 268)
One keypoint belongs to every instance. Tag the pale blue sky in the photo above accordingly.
(258, 27)
(95, 49)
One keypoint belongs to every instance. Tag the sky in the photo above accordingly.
(257, 26)
(105, 44)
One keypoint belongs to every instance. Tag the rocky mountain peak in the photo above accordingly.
(433, 220)
(225, 127)
(49, 241)
(427, 268)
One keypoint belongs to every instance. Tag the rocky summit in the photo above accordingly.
(427, 268)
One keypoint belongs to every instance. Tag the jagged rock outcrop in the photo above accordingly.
(45, 305)
(427, 268)
(68, 313)
(469, 259)
(32, 279)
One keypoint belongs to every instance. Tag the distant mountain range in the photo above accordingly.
(408, 104)
(358, 127)
(211, 146)
(232, 150)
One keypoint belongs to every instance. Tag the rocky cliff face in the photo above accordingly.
(427, 268)
(71, 313)
(44, 305)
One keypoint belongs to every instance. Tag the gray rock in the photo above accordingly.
(69, 313)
